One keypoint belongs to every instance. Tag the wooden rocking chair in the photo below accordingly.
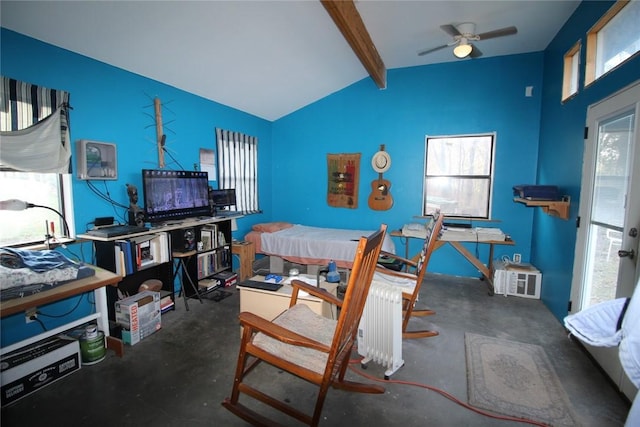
(411, 281)
(305, 344)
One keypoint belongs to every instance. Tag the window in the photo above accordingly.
(571, 72)
(458, 176)
(43, 189)
(238, 168)
(22, 169)
(613, 39)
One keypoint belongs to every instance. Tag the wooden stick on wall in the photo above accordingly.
(159, 132)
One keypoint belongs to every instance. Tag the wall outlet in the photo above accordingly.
(30, 315)
(517, 258)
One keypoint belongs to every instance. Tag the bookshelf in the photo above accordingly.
(213, 257)
(557, 208)
(147, 255)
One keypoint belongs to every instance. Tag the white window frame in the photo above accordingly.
(426, 211)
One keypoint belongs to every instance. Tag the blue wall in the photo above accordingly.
(456, 98)
(539, 140)
(113, 105)
(561, 149)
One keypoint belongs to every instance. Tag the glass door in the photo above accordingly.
(606, 255)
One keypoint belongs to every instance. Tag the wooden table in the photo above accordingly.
(485, 269)
(246, 252)
(95, 283)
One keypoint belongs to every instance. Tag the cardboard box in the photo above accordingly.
(139, 315)
(33, 367)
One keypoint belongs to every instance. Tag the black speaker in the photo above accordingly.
(183, 240)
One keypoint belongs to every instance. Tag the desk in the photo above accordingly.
(457, 245)
(95, 283)
(269, 304)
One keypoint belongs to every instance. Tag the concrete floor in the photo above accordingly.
(179, 375)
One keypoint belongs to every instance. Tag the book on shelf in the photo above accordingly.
(207, 284)
(166, 303)
(226, 278)
(209, 236)
(137, 253)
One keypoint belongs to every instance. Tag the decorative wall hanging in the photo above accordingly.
(343, 179)
(380, 198)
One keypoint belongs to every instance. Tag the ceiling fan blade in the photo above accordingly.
(507, 31)
(451, 30)
(424, 52)
(475, 52)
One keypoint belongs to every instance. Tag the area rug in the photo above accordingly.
(515, 379)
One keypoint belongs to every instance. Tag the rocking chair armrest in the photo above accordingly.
(394, 273)
(315, 291)
(411, 262)
(260, 324)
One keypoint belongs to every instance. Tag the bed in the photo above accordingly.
(311, 246)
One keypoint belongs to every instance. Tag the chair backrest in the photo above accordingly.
(433, 231)
(364, 265)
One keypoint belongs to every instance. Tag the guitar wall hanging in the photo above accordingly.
(380, 198)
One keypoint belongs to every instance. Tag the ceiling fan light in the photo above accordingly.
(462, 50)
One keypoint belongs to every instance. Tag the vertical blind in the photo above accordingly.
(238, 168)
(34, 125)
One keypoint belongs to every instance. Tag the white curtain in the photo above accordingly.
(238, 168)
(36, 148)
(34, 128)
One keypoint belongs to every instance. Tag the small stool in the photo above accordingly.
(182, 256)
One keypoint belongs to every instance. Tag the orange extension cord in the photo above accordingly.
(445, 394)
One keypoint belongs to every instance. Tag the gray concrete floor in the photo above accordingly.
(179, 375)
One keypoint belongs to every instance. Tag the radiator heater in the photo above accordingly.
(380, 329)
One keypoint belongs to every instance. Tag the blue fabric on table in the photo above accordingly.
(38, 261)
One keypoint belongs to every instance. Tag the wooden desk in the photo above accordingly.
(457, 245)
(269, 304)
(94, 283)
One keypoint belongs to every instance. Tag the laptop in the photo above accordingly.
(256, 284)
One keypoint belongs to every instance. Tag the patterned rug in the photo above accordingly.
(515, 379)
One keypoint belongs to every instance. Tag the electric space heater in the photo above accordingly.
(380, 329)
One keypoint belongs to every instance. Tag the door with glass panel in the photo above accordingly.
(606, 256)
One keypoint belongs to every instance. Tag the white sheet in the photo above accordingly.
(597, 325)
(477, 234)
(317, 243)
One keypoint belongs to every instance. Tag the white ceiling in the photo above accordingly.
(270, 58)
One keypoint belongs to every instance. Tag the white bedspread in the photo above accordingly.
(317, 243)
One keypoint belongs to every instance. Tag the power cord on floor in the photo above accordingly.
(445, 394)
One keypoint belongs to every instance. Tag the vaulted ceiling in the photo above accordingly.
(270, 58)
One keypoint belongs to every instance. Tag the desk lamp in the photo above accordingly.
(19, 205)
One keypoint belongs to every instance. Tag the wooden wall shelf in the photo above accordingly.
(559, 208)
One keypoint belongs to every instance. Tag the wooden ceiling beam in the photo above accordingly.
(349, 22)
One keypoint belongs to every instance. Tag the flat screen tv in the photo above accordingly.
(174, 195)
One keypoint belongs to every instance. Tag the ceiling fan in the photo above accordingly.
(463, 34)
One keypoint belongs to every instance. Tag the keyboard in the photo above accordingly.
(117, 230)
(256, 284)
(226, 214)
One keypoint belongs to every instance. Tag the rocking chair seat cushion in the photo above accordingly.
(301, 320)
